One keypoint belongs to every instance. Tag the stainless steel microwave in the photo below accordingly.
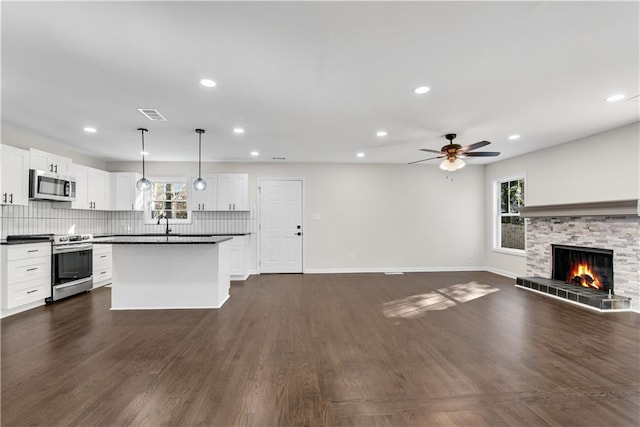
(50, 186)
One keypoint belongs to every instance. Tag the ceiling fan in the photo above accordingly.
(454, 153)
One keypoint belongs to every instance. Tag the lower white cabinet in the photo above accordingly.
(239, 246)
(26, 274)
(102, 264)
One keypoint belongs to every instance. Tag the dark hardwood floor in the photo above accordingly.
(360, 349)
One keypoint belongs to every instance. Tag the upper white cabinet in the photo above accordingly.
(126, 196)
(43, 161)
(233, 192)
(14, 180)
(206, 200)
(93, 188)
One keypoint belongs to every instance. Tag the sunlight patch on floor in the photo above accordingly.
(415, 306)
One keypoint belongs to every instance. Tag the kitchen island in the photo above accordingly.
(169, 272)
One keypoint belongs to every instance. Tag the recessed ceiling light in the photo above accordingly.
(381, 133)
(144, 153)
(207, 83)
(616, 97)
(254, 153)
(421, 90)
(512, 137)
(89, 129)
(360, 155)
(238, 130)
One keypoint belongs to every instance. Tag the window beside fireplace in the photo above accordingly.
(509, 226)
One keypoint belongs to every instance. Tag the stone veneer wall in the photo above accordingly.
(620, 234)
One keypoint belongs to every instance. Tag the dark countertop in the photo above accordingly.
(100, 238)
(170, 235)
(23, 242)
(160, 240)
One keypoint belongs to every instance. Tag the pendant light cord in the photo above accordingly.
(142, 131)
(199, 154)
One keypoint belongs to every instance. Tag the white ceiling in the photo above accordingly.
(313, 82)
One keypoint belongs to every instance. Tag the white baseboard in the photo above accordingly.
(409, 270)
(389, 270)
(501, 272)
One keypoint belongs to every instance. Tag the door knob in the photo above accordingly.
(298, 234)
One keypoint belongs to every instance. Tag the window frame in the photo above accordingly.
(498, 215)
(148, 200)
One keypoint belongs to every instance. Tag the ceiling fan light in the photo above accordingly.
(459, 164)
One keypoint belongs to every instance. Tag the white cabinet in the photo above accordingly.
(15, 176)
(93, 188)
(126, 196)
(26, 274)
(102, 264)
(205, 200)
(239, 252)
(43, 161)
(233, 192)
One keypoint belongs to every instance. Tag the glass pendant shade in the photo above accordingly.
(199, 184)
(143, 184)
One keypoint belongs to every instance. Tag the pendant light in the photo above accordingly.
(143, 183)
(199, 184)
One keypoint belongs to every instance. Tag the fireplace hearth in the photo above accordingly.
(590, 268)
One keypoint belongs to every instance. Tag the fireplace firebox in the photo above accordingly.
(586, 267)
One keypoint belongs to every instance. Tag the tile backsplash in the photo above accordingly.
(41, 217)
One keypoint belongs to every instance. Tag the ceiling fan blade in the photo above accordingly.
(424, 160)
(430, 151)
(473, 146)
(481, 154)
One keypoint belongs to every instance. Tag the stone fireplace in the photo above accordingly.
(607, 230)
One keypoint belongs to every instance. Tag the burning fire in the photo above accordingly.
(583, 276)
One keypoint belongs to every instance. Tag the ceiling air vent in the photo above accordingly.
(152, 114)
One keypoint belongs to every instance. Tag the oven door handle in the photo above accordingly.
(74, 283)
(60, 249)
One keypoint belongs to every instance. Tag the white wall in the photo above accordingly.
(388, 216)
(25, 139)
(600, 167)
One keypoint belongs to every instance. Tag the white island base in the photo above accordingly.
(170, 276)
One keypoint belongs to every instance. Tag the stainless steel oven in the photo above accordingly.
(71, 265)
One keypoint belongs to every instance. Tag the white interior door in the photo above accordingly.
(281, 226)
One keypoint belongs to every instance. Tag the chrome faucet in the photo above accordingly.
(168, 230)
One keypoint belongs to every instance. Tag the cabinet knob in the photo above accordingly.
(298, 233)
(4, 198)
(11, 198)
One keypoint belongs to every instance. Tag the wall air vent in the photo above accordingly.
(152, 114)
